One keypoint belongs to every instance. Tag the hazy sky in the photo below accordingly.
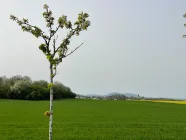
(131, 46)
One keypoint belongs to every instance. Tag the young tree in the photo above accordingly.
(54, 54)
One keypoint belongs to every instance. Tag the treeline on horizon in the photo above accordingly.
(23, 88)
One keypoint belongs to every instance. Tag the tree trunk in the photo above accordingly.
(51, 105)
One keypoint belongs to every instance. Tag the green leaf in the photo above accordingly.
(86, 15)
(62, 21)
(45, 6)
(25, 21)
(50, 84)
(13, 17)
(48, 56)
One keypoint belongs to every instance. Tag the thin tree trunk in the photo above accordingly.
(51, 105)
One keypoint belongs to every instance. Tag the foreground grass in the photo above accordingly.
(93, 120)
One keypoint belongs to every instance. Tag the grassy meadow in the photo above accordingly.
(93, 120)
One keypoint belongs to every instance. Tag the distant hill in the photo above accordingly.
(130, 95)
(111, 94)
(92, 95)
(126, 94)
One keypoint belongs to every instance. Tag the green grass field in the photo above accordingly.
(93, 120)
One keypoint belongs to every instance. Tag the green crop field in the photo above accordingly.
(93, 120)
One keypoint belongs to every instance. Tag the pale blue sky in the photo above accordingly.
(131, 46)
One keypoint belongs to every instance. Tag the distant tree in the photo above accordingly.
(13, 79)
(1, 81)
(27, 78)
(35, 95)
(16, 87)
(54, 54)
(3, 88)
(20, 89)
(42, 83)
(59, 90)
(42, 90)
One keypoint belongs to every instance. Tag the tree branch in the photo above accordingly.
(42, 35)
(73, 50)
(51, 35)
(49, 18)
(54, 43)
(63, 41)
